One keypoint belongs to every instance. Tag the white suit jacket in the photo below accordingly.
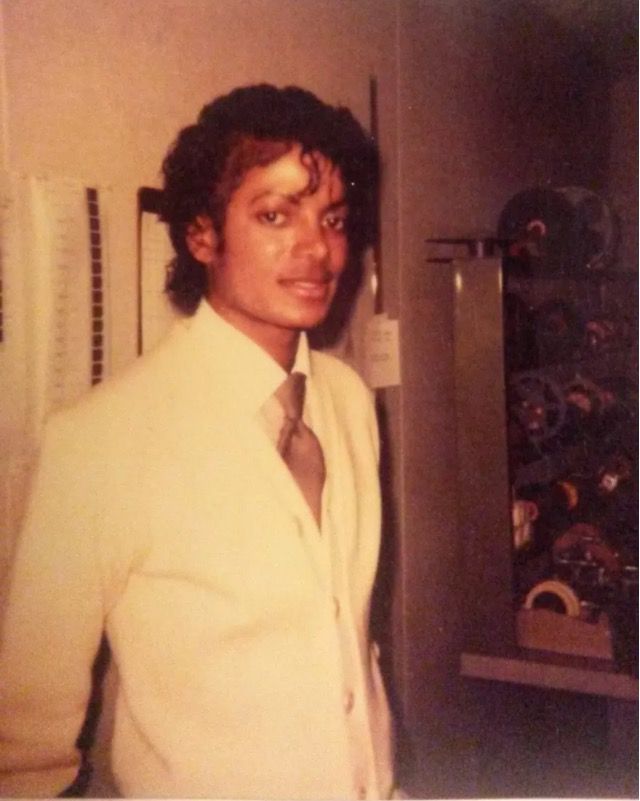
(162, 513)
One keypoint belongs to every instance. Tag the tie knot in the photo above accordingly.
(291, 395)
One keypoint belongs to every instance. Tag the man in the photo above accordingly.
(226, 547)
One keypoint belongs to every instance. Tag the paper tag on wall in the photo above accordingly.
(382, 357)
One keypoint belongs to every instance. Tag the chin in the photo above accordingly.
(309, 320)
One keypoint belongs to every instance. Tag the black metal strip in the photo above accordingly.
(97, 286)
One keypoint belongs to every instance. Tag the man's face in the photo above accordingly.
(284, 249)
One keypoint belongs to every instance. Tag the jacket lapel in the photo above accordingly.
(339, 509)
(263, 456)
(209, 373)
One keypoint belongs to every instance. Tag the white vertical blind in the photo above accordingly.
(53, 316)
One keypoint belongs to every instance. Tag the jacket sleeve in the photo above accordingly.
(51, 624)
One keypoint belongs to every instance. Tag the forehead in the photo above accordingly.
(294, 174)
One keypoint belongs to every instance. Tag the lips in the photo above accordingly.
(308, 289)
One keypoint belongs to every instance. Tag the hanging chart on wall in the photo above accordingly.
(53, 296)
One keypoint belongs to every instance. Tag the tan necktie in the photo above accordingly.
(298, 445)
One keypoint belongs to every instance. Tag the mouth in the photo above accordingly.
(306, 289)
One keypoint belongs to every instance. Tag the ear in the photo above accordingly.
(202, 240)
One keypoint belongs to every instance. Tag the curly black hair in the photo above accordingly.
(250, 126)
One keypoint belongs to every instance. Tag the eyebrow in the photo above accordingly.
(293, 198)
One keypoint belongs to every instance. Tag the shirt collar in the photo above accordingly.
(250, 374)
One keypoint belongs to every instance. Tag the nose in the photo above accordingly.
(311, 241)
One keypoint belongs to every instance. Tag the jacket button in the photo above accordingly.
(349, 700)
(362, 792)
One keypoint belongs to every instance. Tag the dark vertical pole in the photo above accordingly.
(377, 245)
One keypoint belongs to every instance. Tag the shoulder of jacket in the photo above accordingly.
(338, 374)
(326, 364)
(120, 399)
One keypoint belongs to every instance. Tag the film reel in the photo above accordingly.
(539, 224)
(567, 229)
(598, 226)
(538, 405)
(582, 545)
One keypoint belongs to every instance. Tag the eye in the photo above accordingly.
(271, 217)
(336, 221)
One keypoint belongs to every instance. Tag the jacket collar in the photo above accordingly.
(230, 377)
(243, 373)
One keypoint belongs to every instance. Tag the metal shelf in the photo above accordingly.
(551, 671)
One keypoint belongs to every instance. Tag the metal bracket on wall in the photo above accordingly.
(482, 247)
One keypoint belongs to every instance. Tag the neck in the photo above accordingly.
(284, 352)
(280, 343)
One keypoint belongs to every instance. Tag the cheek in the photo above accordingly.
(338, 254)
(262, 252)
